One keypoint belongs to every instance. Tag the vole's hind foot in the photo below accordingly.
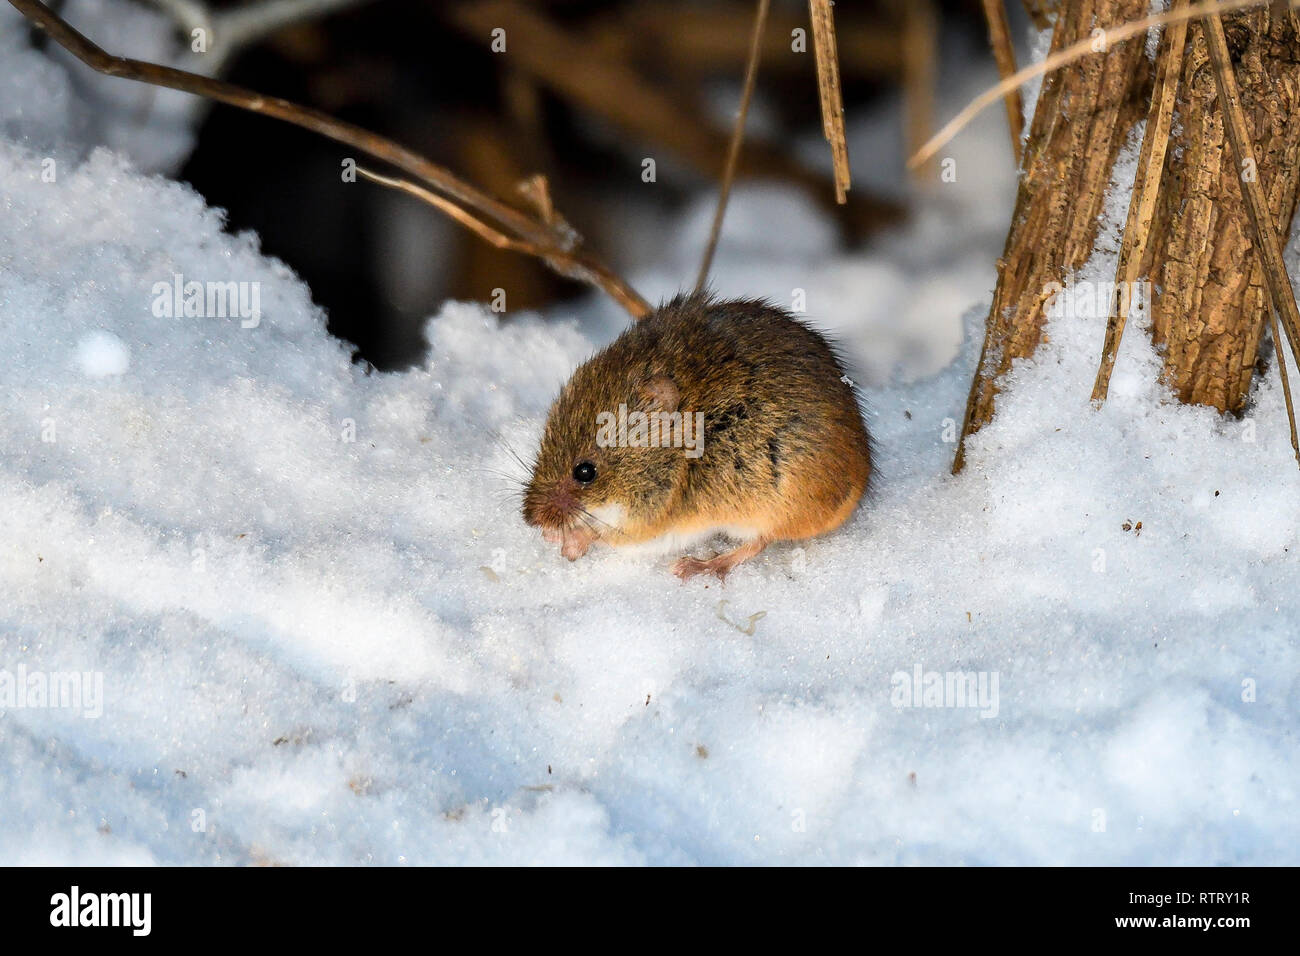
(720, 565)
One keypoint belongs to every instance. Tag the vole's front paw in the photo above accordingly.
(576, 542)
(573, 542)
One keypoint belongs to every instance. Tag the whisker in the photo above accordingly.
(497, 472)
(505, 446)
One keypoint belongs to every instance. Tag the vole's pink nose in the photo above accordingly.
(561, 503)
(551, 511)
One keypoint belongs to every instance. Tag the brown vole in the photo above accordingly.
(703, 417)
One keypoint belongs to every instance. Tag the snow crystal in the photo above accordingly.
(102, 353)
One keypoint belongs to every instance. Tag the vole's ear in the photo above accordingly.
(658, 394)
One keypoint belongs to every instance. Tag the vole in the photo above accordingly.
(705, 416)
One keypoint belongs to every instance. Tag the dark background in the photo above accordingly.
(379, 262)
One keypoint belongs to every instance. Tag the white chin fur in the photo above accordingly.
(608, 516)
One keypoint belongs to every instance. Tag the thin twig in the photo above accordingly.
(828, 87)
(1286, 380)
(481, 229)
(737, 138)
(1076, 51)
(995, 13)
(537, 190)
(1146, 190)
(560, 245)
(1266, 239)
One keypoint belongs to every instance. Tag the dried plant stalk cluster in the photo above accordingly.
(1217, 186)
(1081, 121)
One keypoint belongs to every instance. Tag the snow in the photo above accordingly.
(64, 106)
(102, 353)
(326, 636)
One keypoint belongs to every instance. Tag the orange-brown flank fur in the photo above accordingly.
(784, 452)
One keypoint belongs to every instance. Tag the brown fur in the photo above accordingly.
(785, 450)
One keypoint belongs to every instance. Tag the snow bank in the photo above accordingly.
(310, 626)
(60, 106)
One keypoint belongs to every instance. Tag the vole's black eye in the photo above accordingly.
(584, 473)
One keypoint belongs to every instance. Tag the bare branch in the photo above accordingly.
(560, 245)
